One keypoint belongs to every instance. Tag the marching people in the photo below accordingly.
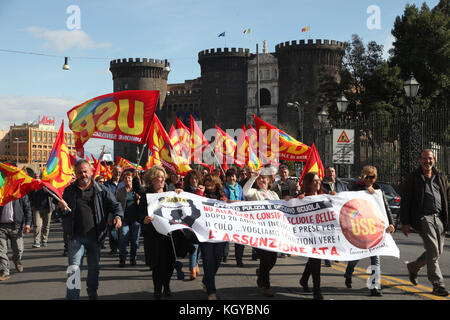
(424, 207)
(85, 206)
(262, 191)
(332, 185)
(42, 208)
(174, 182)
(192, 184)
(368, 182)
(285, 187)
(212, 252)
(113, 185)
(15, 220)
(159, 248)
(312, 185)
(233, 191)
(130, 229)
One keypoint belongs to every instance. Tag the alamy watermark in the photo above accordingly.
(73, 22)
(373, 22)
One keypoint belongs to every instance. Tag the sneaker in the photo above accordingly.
(36, 245)
(19, 267)
(44, 244)
(212, 296)
(440, 291)
(4, 276)
(412, 276)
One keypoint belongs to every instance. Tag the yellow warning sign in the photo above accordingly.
(343, 138)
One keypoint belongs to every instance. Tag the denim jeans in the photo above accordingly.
(193, 257)
(129, 232)
(77, 246)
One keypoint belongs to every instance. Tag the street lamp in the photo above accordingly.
(301, 117)
(342, 103)
(322, 116)
(410, 139)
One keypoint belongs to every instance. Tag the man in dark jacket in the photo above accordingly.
(332, 184)
(424, 207)
(15, 218)
(85, 206)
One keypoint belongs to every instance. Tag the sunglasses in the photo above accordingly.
(369, 177)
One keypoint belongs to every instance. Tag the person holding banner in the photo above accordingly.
(212, 252)
(267, 259)
(367, 182)
(193, 185)
(158, 247)
(312, 186)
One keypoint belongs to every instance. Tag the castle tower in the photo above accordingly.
(299, 67)
(224, 87)
(137, 74)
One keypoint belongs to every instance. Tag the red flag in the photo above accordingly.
(121, 116)
(15, 183)
(198, 142)
(57, 174)
(313, 164)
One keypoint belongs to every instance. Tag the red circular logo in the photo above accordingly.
(361, 223)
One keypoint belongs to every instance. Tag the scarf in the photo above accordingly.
(234, 191)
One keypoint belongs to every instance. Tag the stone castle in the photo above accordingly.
(226, 92)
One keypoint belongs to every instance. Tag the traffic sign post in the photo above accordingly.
(344, 147)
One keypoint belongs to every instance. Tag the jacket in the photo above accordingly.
(104, 203)
(339, 185)
(276, 186)
(412, 195)
(22, 213)
(360, 186)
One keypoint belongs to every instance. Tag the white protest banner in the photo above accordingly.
(343, 227)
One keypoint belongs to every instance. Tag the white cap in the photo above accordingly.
(269, 171)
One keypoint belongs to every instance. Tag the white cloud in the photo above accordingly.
(18, 109)
(62, 40)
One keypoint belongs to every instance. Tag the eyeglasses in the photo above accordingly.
(369, 177)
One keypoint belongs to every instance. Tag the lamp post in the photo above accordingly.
(301, 115)
(342, 105)
(17, 141)
(410, 140)
(322, 116)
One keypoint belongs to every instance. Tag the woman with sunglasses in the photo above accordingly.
(312, 186)
(367, 182)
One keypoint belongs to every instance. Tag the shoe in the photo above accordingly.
(133, 262)
(317, 294)
(93, 297)
(267, 292)
(304, 285)
(192, 274)
(239, 264)
(440, 291)
(19, 267)
(44, 244)
(121, 264)
(412, 276)
(167, 293)
(375, 292)
(4, 277)
(36, 245)
(212, 296)
(348, 282)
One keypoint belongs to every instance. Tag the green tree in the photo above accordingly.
(422, 46)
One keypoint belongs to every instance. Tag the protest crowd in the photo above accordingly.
(96, 202)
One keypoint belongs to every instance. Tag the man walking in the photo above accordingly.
(85, 207)
(40, 206)
(15, 218)
(424, 207)
(114, 184)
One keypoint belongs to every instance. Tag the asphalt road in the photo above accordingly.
(44, 277)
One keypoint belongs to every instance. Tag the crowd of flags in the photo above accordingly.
(176, 150)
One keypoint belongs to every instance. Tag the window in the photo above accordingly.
(265, 97)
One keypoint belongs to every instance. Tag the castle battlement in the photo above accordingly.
(184, 92)
(145, 62)
(238, 52)
(310, 43)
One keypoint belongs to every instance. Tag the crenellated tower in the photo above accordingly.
(224, 87)
(139, 74)
(300, 64)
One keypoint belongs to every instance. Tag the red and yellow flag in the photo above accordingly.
(126, 164)
(15, 183)
(198, 142)
(245, 154)
(159, 142)
(224, 147)
(184, 135)
(121, 116)
(57, 174)
(272, 138)
(313, 164)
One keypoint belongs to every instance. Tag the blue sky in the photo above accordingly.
(33, 85)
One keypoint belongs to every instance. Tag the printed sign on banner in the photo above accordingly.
(347, 226)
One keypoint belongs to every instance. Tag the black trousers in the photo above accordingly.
(267, 260)
(312, 268)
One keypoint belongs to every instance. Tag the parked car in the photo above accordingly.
(392, 197)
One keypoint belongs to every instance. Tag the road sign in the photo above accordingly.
(343, 146)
